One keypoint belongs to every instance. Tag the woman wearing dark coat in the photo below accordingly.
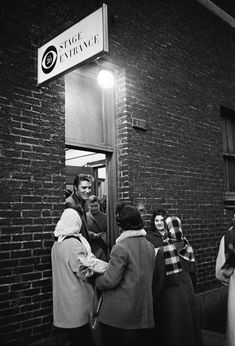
(158, 231)
(178, 320)
(126, 313)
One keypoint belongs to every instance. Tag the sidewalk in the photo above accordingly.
(210, 339)
(213, 309)
(213, 338)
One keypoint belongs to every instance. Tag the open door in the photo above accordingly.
(90, 135)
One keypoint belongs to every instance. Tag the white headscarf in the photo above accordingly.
(70, 223)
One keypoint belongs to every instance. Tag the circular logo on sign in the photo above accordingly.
(49, 59)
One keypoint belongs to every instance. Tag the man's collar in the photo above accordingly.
(78, 199)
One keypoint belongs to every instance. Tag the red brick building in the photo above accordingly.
(169, 122)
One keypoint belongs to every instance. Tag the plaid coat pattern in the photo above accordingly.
(176, 234)
(172, 260)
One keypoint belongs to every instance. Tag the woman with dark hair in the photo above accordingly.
(158, 231)
(126, 313)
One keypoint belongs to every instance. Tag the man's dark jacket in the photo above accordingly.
(73, 201)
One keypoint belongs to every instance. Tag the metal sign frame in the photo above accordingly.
(83, 41)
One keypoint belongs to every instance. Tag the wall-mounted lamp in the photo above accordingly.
(105, 79)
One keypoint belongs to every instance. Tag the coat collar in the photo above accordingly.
(77, 199)
(80, 203)
(130, 234)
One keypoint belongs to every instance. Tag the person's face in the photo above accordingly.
(94, 207)
(84, 189)
(159, 223)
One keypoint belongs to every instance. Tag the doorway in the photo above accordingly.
(90, 136)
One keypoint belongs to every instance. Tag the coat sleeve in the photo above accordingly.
(116, 268)
(222, 275)
(159, 274)
(191, 268)
(76, 249)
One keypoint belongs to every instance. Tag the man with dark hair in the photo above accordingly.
(78, 199)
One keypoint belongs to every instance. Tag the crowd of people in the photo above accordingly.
(139, 292)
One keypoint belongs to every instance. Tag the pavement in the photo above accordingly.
(212, 338)
(213, 310)
(213, 307)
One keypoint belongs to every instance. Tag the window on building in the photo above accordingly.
(228, 137)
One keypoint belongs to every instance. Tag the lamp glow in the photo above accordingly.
(105, 79)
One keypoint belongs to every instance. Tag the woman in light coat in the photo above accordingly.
(72, 294)
(225, 264)
(126, 313)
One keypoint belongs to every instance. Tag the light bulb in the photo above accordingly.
(105, 79)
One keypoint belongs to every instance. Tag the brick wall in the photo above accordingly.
(31, 198)
(176, 70)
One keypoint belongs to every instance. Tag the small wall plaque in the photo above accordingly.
(139, 124)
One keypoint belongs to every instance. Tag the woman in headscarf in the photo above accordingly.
(126, 313)
(177, 320)
(225, 264)
(72, 294)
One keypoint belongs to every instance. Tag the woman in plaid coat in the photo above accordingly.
(177, 320)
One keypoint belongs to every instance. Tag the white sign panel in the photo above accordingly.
(85, 40)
